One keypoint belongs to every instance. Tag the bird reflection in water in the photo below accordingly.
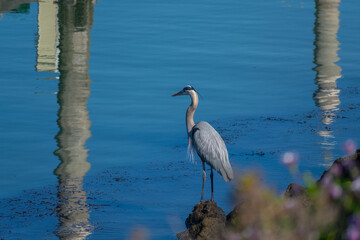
(71, 25)
(326, 97)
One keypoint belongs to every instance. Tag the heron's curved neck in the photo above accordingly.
(191, 110)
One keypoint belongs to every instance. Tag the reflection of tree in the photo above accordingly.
(326, 97)
(74, 21)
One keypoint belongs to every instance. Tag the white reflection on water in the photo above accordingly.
(64, 42)
(47, 51)
(326, 97)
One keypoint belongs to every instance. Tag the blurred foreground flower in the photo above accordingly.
(325, 209)
(290, 160)
(328, 208)
(263, 214)
(355, 185)
(336, 170)
(353, 231)
(349, 147)
(335, 191)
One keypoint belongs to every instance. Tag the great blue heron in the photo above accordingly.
(207, 142)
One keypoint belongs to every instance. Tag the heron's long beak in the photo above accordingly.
(177, 94)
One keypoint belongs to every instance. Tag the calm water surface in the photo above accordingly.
(91, 141)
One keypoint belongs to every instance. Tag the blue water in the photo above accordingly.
(105, 103)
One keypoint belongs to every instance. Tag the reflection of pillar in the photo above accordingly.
(326, 97)
(75, 21)
(47, 54)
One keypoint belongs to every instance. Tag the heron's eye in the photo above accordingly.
(187, 88)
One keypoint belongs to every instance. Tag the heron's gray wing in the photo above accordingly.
(211, 148)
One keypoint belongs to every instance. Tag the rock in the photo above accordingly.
(232, 219)
(345, 167)
(294, 190)
(207, 221)
(299, 192)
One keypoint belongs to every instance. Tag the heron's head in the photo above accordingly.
(185, 91)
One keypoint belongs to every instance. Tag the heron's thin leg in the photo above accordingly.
(212, 184)
(204, 177)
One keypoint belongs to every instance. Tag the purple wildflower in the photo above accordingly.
(290, 159)
(353, 233)
(290, 204)
(355, 185)
(234, 236)
(353, 230)
(336, 169)
(349, 147)
(335, 191)
(327, 181)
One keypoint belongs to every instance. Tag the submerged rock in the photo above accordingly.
(206, 221)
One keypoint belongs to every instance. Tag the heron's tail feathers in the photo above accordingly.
(227, 174)
(226, 171)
